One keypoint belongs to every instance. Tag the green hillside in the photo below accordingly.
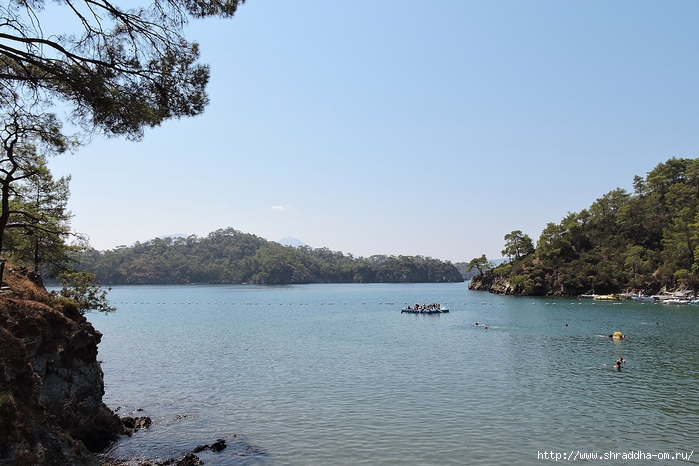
(229, 256)
(647, 240)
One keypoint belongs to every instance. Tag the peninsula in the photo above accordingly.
(641, 242)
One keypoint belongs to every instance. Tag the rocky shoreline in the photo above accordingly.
(51, 384)
(548, 285)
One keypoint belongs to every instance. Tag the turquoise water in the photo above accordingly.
(335, 374)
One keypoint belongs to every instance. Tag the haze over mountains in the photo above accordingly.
(290, 241)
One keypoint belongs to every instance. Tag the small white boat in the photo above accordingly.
(643, 299)
(676, 301)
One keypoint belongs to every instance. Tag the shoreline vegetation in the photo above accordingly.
(228, 256)
(642, 243)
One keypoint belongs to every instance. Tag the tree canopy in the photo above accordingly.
(119, 70)
(517, 245)
(482, 264)
(230, 256)
(39, 225)
(643, 241)
(30, 200)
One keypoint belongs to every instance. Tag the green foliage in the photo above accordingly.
(30, 199)
(482, 264)
(5, 398)
(517, 245)
(38, 226)
(647, 240)
(526, 284)
(120, 69)
(229, 256)
(84, 291)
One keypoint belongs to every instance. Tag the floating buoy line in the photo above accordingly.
(196, 303)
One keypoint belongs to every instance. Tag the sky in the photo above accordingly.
(404, 127)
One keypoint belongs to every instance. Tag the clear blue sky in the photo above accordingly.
(404, 127)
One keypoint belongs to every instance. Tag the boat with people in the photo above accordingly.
(432, 308)
(410, 310)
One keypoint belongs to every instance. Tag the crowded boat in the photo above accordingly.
(432, 308)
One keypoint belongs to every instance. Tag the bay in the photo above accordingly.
(335, 374)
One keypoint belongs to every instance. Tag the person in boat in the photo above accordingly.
(617, 366)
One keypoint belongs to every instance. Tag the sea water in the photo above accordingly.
(337, 375)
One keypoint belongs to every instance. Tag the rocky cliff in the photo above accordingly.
(541, 284)
(51, 385)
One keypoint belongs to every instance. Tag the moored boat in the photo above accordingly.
(604, 297)
(643, 299)
(678, 297)
(677, 301)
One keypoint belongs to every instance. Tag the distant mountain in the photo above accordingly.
(174, 235)
(289, 241)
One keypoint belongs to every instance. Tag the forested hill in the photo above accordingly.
(647, 240)
(229, 256)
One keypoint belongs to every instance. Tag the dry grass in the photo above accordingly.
(19, 283)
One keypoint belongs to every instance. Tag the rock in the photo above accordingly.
(51, 385)
(218, 445)
(190, 459)
(131, 424)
